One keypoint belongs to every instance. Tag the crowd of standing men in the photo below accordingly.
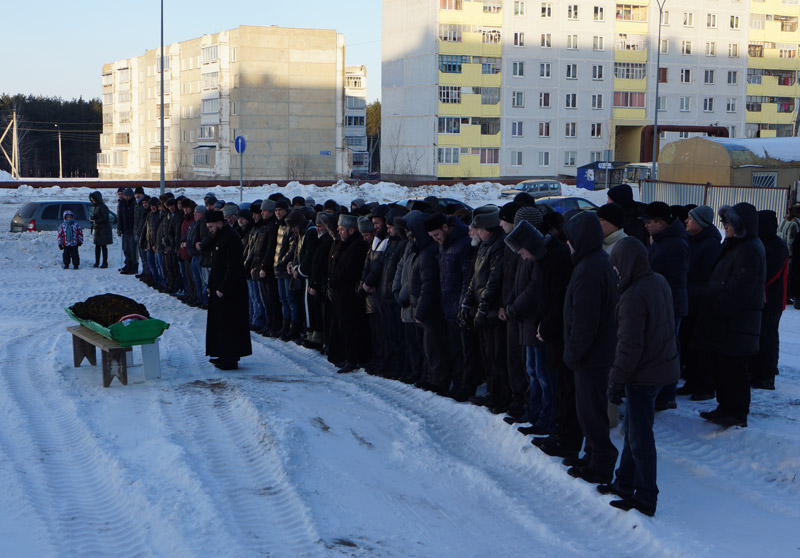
(557, 314)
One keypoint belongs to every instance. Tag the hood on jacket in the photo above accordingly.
(416, 224)
(584, 234)
(629, 257)
(742, 217)
(96, 196)
(767, 224)
(458, 229)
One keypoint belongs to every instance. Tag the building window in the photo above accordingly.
(518, 69)
(353, 82)
(489, 126)
(122, 139)
(547, 40)
(207, 132)
(209, 106)
(489, 95)
(572, 71)
(664, 48)
(448, 155)
(686, 75)
(201, 157)
(664, 18)
(516, 158)
(450, 32)
(733, 77)
(518, 99)
(516, 130)
(356, 121)
(731, 105)
(519, 8)
(711, 49)
(662, 104)
(490, 36)
(544, 158)
(711, 21)
(688, 19)
(708, 104)
(492, 6)
(683, 135)
(628, 99)
(519, 39)
(572, 11)
(686, 47)
(598, 43)
(597, 130)
(449, 125)
(627, 41)
(544, 100)
(572, 42)
(450, 64)
(570, 130)
(595, 156)
(733, 50)
(544, 129)
(686, 104)
(708, 77)
(209, 80)
(490, 156)
(597, 101)
(544, 69)
(662, 75)
(449, 4)
(489, 66)
(209, 54)
(235, 109)
(630, 70)
(571, 100)
(731, 131)
(569, 158)
(547, 10)
(597, 72)
(735, 22)
(450, 94)
(599, 13)
(155, 155)
(631, 12)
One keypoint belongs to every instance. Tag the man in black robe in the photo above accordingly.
(227, 329)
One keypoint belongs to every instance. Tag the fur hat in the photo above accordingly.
(435, 222)
(613, 213)
(486, 217)
(267, 205)
(365, 225)
(296, 218)
(702, 215)
(656, 210)
(526, 236)
(230, 210)
(214, 216)
(350, 221)
(508, 211)
(358, 202)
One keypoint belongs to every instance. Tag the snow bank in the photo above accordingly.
(5, 177)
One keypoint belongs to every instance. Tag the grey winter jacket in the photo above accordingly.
(647, 351)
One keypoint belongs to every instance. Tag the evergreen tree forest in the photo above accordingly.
(39, 120)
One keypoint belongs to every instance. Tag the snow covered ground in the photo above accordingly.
(286, 458)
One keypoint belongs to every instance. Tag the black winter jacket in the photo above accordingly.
(101, 221)
(704, 249)
(668, 255)
(485, 288)
(305, 248)
(647, 350)
(455, 268)
(777, 261)
(266, 248)
(591, 298)
(424, 289)
(284, 249)
(318, 280)
(126, 217)
(139, 219)
(730, 317)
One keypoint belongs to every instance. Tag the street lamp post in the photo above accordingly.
(162, 98)
(654, 172)
(60, 168)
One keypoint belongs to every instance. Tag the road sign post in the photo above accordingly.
(240, 146)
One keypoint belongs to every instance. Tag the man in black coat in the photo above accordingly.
(622, 194)
(349, 317)
(227, 327)
(668, 255)
(729, 325)
(390, 310)
(126, 222)
(764, 365)
(266, 270)
(139, 221)
(705, 244)
(590, 341)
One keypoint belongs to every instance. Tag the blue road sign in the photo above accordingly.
(240, 144)
(324, 152)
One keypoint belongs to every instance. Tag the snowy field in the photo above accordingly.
(286, 458)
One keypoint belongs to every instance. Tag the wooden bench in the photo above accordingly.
(113, 355)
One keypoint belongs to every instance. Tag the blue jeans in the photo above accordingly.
(145, 264)
(636, 474)
(541, 400)
(256, 305)
(154, 270)
(161, 272)
(200, 286)
(289, 301)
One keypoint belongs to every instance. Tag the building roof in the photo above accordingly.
(752, 149)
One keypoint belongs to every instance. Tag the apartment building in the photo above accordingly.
(355, 117)
(281, 89)
(504, 88)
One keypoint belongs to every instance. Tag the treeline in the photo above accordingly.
(39, 120)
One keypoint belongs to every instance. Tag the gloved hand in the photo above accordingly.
(60, 247)
(465, 317)
(616, 393)
(480, 320)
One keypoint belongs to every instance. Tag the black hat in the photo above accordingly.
(298, 200)
(394, 213)
(330, 205)
(524, 199)
(508, 211)
(214, 216)
(282, 204)
(139, 190)
(621, 194)
(526, 236)
(613, 213)
(246, 214)
(171, 201)
(529, 213)
(656, 210)
(296, 218)
(127, 192)
(435, 222)
(380, 211)
(255, 207)
(120, 189)
(420, 206)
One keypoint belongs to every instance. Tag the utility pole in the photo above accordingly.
(654, 172)
(60, 172)
(14, 159)
(162, 97)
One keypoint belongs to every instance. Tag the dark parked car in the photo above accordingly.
(564, 204)
(443, 202)
(48, 215)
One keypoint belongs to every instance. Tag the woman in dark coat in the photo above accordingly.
(101, 227)
(228, 326)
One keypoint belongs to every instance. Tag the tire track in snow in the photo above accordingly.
(83, 495)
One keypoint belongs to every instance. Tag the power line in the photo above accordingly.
(55, 130)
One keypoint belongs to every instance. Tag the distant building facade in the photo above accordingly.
(355, 114)
(505, 88)
(282, 89)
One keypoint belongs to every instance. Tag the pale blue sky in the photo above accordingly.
(58, 48)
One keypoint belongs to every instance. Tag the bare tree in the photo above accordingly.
(297, 167)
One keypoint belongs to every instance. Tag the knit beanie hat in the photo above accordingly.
(702, 215)
(230, 210)
(435, 222)
(613, 213)
(621, 194)
(508, 211)
(201, 209)
(268, 205)
(282, 204)
(529, 213)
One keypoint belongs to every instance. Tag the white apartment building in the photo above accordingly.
(282, 89)
(355, 117)
(506, 88)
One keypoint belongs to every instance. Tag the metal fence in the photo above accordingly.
(674, 193)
